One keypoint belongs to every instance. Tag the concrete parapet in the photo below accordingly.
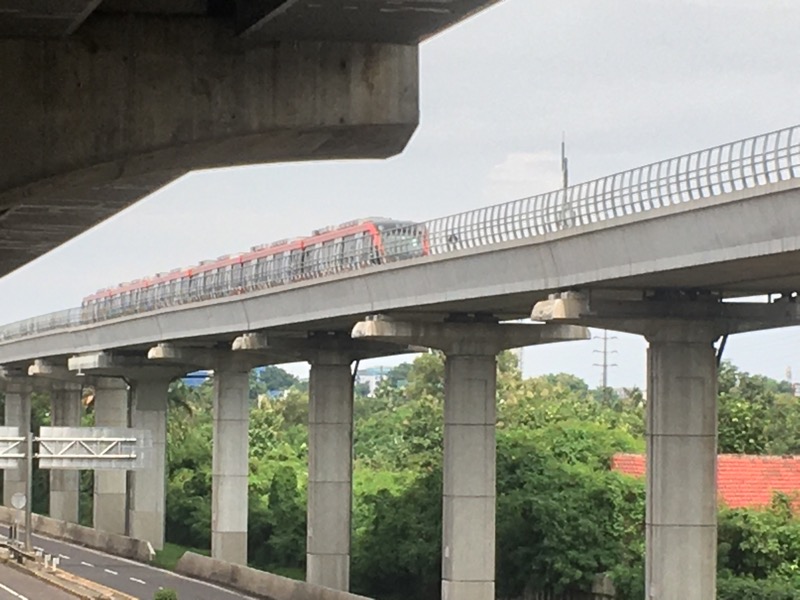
(111, 543)
(259, 584)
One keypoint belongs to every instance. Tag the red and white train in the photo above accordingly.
(330, 250)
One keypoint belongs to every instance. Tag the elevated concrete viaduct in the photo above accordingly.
(665, 251)
(103, 102)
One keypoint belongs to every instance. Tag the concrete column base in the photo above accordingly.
(334, 568)
(467, 590)
(230, 546)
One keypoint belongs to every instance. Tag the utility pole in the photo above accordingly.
(28, 490)
(564, 162)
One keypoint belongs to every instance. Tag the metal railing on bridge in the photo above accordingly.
(744, 164)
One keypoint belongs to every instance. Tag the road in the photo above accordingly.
(137, 579)
(19, 586)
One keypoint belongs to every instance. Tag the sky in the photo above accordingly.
(627, 81)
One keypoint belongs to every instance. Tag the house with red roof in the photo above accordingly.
(743, 481)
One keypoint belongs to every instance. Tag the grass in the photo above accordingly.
(169, 556)
(290, 572)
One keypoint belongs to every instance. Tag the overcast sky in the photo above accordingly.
(629, 81)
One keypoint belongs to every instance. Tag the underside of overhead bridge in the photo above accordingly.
(104, 101)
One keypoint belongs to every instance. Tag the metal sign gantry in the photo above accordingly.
(93, 448)
(12, 447)
(72, 448)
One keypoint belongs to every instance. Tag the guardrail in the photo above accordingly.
(744, 164)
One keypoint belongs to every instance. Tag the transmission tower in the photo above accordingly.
(605, 365)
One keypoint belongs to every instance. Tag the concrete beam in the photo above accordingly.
(49, 371)
(190, 358)
(483, 338)
(110, 364)
(659, 312)
(102, 119)
(308, 348)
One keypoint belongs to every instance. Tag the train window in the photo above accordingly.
(295, 263)
(195, 285)
(403, 242)
(338, 251)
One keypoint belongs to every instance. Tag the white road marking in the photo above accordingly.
(64, 556)
(137, 580)
(110, 571)
(12, 592)
(223, 592)
(85, 564)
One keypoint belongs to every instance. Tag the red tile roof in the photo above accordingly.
(743, 481)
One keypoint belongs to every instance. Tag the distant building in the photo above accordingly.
(743, 481)
(372, 377)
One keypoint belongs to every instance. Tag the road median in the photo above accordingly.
(67, 582)
(259, 584)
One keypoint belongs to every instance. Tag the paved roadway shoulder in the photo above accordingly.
(19, 586)
(137, 579)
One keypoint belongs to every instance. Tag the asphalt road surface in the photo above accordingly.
(137, 579)
(18, 586)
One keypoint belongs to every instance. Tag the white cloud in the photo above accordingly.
(524, 174)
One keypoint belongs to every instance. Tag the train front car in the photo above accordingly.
(401, 240)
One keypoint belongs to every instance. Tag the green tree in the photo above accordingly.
(270, 380)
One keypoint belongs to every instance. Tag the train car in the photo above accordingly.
(352, 245)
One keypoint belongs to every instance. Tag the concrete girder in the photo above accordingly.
(314, 348)
(204, 358)
(108, 364)
(655, 317)
(396, 21)
(466, 338)
(103, 118)
(46, 370)
(17, 376)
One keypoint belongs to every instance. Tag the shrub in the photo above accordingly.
(166, 594)
(748, 588)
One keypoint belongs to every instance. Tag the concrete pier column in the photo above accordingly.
(681, 510)
(65, 411)
(110, 505)
(330, 471)
(468, 528)
(230, 466)
(148, 486)
(468, 512)
(17, 414)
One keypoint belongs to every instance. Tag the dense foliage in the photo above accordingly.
(562, 515)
